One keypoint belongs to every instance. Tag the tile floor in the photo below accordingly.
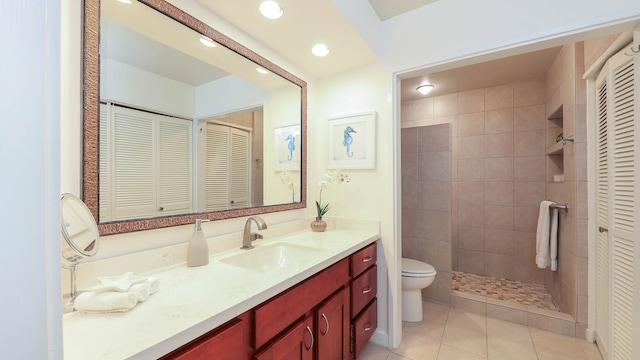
(503, 289)
(454, 334)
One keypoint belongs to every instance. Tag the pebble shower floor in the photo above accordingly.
(502, 289)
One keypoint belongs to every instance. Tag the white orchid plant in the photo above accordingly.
(331, 177)
(285, 178)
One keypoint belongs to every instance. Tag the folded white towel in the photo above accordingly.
(106, 301)
(547, 237)
(142, 291)
(154, 284)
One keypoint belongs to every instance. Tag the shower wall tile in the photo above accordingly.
(406, 111)
(498, 121)
(524, 244)
(470, 147)
(445, 105)
(529, 143)
(422, 109)
(471, 261)
(498, 217)
(498, 193)
(434, 195)
(410, 191)
(529, 92)
(471, 101)
(410, 223)
(435, 225)
(471, 215)
(437, 253)
(433, 138)
(525, 218)
(529, 193)
(529, 168)
(529, 118)
(499, 169)
(498, 97)
(471, 238)
(471, 193)
(498, 265)
(471, 124)
(434, 166)
(471, 169)
(526, 270)
(498, 145)
(498, 241)
(409, 167)
(409, 141)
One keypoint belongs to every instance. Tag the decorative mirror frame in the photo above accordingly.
(91, 77)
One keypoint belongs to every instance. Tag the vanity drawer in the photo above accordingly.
(361, 260)
(227, 343)
(364, 326)
(363, 289)
(277, 314)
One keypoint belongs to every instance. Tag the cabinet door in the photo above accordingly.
(228, 344)
(297, 343)
(332, 321)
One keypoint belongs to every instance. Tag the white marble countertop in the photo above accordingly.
(193, 301)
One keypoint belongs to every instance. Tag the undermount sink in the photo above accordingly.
(271, 257)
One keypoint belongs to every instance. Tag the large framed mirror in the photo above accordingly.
(182, 122)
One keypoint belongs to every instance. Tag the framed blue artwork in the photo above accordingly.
(287, 148)
(352, 141)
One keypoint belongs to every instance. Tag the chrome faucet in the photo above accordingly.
(248, 236)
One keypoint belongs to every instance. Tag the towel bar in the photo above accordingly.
(564, 207)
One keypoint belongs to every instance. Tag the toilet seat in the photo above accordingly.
(415, 268)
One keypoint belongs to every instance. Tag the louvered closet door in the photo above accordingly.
(616, 246)
(174, 166)
(104, 160)
(603, 272)
(132, 164)
(239, 171)
(218, 140)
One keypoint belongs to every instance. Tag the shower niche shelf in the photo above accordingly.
(555, 151)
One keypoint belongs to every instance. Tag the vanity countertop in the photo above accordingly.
(193, 301)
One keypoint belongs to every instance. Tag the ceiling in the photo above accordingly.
(320, 21)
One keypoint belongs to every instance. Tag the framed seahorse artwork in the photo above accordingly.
(352, 141)
(288, 148)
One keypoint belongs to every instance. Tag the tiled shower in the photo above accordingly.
(478, 162)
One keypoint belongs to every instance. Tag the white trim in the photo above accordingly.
(622, 40)
(591, 209)
(394, 269)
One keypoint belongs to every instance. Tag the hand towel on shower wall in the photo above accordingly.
(547, 237)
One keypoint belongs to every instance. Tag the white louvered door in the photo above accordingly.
(145, 164)
(616, 208)
(603, 271)
(228, 167)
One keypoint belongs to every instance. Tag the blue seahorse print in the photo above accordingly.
(348, 140)
(292, 145)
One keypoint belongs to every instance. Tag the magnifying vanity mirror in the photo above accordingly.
(182, 122)
(79, 233)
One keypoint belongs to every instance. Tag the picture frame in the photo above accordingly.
(352, 141)
(287, 148)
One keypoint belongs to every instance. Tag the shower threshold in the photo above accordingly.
(513, 301)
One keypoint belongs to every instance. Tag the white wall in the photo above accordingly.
(29, 157)
(370, 194)
(221, 96)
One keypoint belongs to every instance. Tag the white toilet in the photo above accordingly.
(416, 275)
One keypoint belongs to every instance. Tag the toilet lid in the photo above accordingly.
(414, 267)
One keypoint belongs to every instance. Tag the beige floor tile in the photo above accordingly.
(507, 341)
(393, 356)
(591, 350)
(418, 348)
(426, 327)
(469, 338)
(435, 312)
(467, 319)
(551, 346)
(451, 353)
(374, 352)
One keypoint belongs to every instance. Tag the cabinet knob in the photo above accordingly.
(310, 333)
(367, 259)
(603, 229)
(368, 326)
(326, 321)
(367, 289)
(160, 208)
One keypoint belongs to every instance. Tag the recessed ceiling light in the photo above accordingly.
(262, 71)
(207, 42)
(271, 9)
(424, 89)
(125, 1)
(320, 50)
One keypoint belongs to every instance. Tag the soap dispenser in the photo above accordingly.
(198, 251)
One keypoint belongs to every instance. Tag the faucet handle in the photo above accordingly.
(255, 236)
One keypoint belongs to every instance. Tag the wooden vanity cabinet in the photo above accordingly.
(296, 344)
(230, 341)
(332, 327)
(364, 288)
